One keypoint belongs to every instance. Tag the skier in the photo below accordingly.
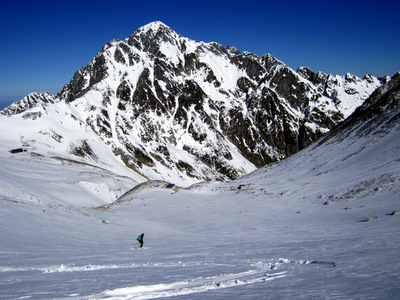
(140, 240)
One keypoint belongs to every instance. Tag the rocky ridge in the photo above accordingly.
(168, 107)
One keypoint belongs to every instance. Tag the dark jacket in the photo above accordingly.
(140, 239)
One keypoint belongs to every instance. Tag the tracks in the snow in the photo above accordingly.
(183, 277)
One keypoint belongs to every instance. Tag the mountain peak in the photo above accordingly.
(154, 29)
(149, 37)
(167, 107)
(154, 26)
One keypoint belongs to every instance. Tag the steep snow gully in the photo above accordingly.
(321, 224)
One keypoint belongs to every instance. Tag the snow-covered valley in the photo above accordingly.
(321, 224)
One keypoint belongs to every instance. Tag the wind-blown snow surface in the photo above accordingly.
(291, 230)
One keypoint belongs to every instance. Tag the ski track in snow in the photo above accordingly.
(257, 272)
(197, 285)
(64, 268)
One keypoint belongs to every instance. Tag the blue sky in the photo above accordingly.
(44, 42)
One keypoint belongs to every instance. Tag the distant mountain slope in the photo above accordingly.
(170, 108)
(359, 159)
(378, 115)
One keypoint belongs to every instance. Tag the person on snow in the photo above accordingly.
(140, 240)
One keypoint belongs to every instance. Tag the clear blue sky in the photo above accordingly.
(44, 42)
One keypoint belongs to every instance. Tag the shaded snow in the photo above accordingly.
(296, 229)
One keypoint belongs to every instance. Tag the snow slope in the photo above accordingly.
(294, 230)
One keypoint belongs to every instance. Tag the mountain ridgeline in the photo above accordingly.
(168, 107)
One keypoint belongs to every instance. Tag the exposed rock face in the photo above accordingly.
(165, 104)
(30, 101)
(379, 114)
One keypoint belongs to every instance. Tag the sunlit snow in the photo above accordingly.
(321, 224)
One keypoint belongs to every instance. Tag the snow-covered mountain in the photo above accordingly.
(321, 224)
(173, 109)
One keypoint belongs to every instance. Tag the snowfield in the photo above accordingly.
(322, 224)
